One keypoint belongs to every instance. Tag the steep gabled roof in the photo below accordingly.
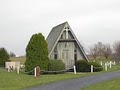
(54, 36)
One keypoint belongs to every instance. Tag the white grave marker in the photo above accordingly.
(91, 68)
(74, 69)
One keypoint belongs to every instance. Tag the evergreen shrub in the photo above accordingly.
(56, 65)
(85, 66)
(4, 56)
(82, 66)
(36, 53)
(96, 67)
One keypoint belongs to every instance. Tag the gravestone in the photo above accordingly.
(37, 71)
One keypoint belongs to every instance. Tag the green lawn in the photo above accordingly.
(106, 85)
(14, 81)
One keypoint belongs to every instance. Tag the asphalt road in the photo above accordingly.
(78, 83)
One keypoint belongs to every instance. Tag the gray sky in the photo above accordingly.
(92, 21)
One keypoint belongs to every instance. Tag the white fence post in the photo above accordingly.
(105, 66)
(35, 72)
(101, 63)
(114, 63)
(74, 69)
(91, 68)
(18, 69)
(110, 64)
(8, 69)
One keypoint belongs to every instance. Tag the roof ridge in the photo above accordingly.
(60, 24)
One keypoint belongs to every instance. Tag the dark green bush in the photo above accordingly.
(82, 66)
(4, 56)
(56, 65)
(36, 53)
(96, 67)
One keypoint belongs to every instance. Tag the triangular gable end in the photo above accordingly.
(79, 45)
(63, 44)
(65, 24)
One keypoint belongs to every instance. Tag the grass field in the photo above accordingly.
(19, 59)
(14, 81)
(106, 85)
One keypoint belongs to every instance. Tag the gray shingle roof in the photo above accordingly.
(54, 34)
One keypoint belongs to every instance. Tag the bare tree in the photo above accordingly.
(12, 54)
(100, 48)
(93, 50)
(107, 51)
(116, 47)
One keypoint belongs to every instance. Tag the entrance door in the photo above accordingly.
(65, 57)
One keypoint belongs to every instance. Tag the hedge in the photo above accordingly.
(96, 67)
(85, 66)
(56, 65)
(82, 66)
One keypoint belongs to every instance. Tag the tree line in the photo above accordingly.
(105, 50)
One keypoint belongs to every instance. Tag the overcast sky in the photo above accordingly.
(92, 21)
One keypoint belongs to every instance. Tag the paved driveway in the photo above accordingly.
(78, 83)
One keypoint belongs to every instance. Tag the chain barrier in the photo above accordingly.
(26, 72)
(97, 67)
(57, 71)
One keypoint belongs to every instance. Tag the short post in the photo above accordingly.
(107, 63)
(91, 68)
(110, 64)
(18, 70)
(9, 69)
(74, 69)
(37, 71)
(105, 66)
(101, 63)
(114, 62)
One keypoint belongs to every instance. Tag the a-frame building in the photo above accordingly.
(63, 45)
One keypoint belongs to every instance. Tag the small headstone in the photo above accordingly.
(37, 71)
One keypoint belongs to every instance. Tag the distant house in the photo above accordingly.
(63, 45)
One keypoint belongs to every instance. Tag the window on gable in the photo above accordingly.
(55, 56)
(62, 36)
(55, 53)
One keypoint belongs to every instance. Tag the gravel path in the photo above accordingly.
(78, 83)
